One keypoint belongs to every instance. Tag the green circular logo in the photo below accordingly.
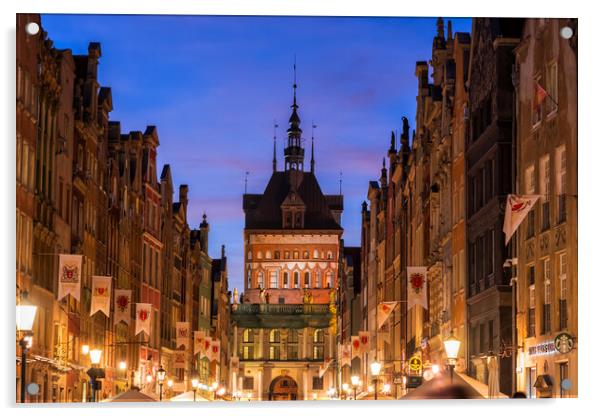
(563, 343)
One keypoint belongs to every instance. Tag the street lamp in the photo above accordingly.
(331, 393)
(26, 314)
(355, 382)
(195, 385)
(452, 346)
(345, 389)
(160, 378)
(95, 372)
(386, 388)
(85, 349)
(122, 365)
(375, 369)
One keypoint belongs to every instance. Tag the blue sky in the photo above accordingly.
(213, 86)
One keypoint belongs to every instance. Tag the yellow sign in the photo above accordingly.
(415, 364)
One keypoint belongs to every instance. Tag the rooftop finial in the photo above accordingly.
(312, 163)
(295, 82)
(274, 159)
(440, 32)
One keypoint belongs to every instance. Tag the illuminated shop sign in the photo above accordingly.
(544, 348)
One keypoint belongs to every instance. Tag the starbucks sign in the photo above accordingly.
(563, 343)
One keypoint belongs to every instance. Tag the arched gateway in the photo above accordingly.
(283, 388)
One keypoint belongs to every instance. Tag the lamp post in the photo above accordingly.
(213, 388)
(452, 346)
(375, 369)
(345, 387)
(95, 372)
(355, 382)
(160, 378)
(195, 385)
(170, 387)
(26, 314)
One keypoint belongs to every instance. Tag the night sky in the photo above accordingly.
(213, 86)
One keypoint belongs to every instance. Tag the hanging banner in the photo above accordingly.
(214, 351)
(199, 340)
(324, 366)
(123, 308)
(417, 287)
(234, 362)
(180, 359)
(206, 347)
(143, 318)
(70, 275)
(517, 208)
(182, 334)
(364, 341)
(355, 347)
(345, 354)
(101, 295)
(383, 311)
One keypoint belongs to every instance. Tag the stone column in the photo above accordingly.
(305, 385)
(259, 384)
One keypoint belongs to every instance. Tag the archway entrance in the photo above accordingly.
(283, 388)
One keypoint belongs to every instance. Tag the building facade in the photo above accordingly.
(85, 187)
(285, 328)
(489, 180)
(547, 240)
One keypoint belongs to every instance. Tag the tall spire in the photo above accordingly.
(312, 163)
(294, 153)
(274, 158)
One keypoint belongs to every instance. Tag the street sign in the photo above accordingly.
(398, 380)
(415, 364)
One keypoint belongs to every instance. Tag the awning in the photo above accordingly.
(132, 396)
(482, 388)
(441, 387)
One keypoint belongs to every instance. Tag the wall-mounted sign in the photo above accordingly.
(415, 363)
(544, 348)
(413, 382)
(563, 343)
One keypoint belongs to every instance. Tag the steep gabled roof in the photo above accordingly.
(264, 211)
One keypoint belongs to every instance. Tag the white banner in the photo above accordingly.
(182, 334)
(383, 311)
(101, 295)
(417, 287)
(206, 347)
(214, 351)
(517, 208)
(123, 305)
(143, 318)
(324, 366)
(345, 354)
(199, 340)
(356, 347)
(180, 359)
(70, 275)
(234, 362)
(364, 337)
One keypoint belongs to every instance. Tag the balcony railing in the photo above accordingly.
(279, 309)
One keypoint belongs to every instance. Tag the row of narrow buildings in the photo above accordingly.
(496, 114)
(482, 130)
(87, 188)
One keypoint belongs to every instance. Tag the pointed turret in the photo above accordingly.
(294, 153)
